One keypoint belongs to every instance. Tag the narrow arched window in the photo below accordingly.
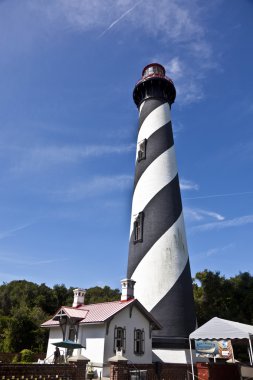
(119, 339)
(138, 228)
(142, 150)
(139, 341)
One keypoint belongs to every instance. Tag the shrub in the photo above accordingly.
(16, 359)
(27, 356)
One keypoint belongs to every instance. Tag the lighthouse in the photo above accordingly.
(158, 258)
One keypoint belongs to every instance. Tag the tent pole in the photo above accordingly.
(193, 375)
(249, 356)
(233, 357)
(251, 353)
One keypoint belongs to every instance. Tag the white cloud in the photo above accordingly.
(95, 186)
(177, 20)
(175, 68)
(220, 195)
(43, 156)
(236, 222)
(15, 259)
(12, 231)
(75, 153)
(188, 185)
(212, 214)
(177, 128)
(115, 22)
(214, 251)
(178, 24)
(196, 214)
(186, 78)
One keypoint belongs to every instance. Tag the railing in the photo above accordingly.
(133, 372)
(73, 371)
(37, 372)
(62, 358)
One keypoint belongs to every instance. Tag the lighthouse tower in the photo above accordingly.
(158, 257)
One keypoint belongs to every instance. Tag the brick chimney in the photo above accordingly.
(127, 289)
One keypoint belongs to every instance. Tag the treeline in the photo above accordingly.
(228, 298)
(25, 305)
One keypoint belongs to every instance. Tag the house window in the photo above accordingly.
(139, 341)
(138, 228)
(72, 333)
(142, 150)
(119, 339)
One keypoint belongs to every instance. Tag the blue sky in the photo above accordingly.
(68, 129)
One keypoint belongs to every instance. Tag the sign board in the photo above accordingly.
(214, 348)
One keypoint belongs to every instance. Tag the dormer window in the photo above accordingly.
(142, 150)
(138, 228)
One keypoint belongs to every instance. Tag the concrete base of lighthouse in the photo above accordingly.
(171, 350)
(168, 355)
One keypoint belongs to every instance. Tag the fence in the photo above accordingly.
(169, 371)
(156, 371)
(120, 371)
(73, 371)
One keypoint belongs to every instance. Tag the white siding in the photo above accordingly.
(99, 346)
(55, 335)
(137, 321)
(92, 337)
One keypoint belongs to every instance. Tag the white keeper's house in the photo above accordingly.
(103, 329)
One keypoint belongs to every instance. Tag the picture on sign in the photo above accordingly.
(214, 349)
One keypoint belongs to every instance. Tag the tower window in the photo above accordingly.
(142, 150)
(119, 339)
(139, 341)
(138, 228)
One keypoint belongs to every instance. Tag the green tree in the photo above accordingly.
(98, 294)
(24, 306)
(19, 334)
(243, 297)
(213, 296)
(4, 322)
(63, 295)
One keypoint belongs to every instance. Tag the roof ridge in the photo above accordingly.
(106, 302)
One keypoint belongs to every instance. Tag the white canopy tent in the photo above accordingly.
(218, 329)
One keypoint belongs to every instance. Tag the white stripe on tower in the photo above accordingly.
(162, 265)
(158, 255)
(155, 120)
(156, 176)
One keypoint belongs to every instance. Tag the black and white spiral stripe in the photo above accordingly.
(159, 264)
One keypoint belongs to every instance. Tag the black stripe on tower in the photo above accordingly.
(159, 215)
(177, 307)
(160, 141)
(149, 106)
